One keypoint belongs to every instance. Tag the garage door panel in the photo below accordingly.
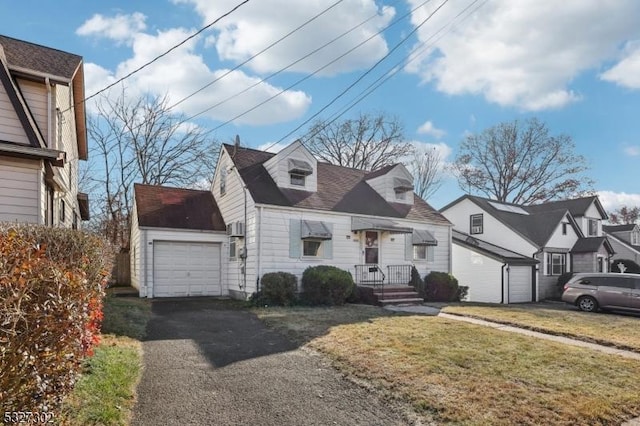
(520, 284)
(186, 269)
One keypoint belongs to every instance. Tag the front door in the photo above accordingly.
(371, 247)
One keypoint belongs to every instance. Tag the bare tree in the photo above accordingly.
(426, 167)
(141, 141)
(521, 162)
(368, 142)
(625, 215)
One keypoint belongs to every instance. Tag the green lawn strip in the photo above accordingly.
(618, 331)
(105, 393)
(468, 374)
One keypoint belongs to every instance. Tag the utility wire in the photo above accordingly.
(313, 73)
(258, 54)
(206, 27)
(281, 70)
(363, 75)
(397, 67)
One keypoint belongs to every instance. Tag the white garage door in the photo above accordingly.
(520, 284)
(186, 269)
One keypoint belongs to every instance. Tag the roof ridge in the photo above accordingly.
(149, 185)
(41, 46)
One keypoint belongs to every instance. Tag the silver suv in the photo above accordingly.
(593, 291)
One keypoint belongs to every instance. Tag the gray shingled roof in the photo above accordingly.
(492, 250)
(165, 207)
(340, 189)
(576, 206)
(619, 228)
(537, 226)
(591, 244)
(38, 58)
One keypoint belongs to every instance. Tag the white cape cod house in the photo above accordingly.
(508, 253)
(287, 211)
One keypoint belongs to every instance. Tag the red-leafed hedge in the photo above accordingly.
(52, 283)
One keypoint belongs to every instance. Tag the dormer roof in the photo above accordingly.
(339, 189)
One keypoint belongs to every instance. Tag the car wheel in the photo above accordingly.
(587, 304)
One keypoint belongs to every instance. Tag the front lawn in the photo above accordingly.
(454, 372)
(604, 328)
(105, 393)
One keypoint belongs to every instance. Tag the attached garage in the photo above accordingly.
(178, 239)
(492, 273)
(186, 269)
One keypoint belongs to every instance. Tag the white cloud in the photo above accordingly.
(120, 28)
(253, 27)
(183, 71)
(525, 53)
(429, 129)
(626, 72)
(614, 200)
(632, 150)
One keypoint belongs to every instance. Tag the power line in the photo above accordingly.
(206, 27)
(397, 67)
(363, 75)
(307, 76)
(258, 54)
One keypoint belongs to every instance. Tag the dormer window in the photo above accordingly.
(593, 227)
(296, 179)
(402, 187)
(298, 171)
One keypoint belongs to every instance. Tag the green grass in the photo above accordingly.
(457, 373)
(605, 328)
(105, 393)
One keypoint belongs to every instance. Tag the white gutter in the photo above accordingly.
(43, 75)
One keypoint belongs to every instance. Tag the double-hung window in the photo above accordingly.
(476, 224)
(556, 263)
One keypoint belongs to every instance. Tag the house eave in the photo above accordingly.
(55, 157)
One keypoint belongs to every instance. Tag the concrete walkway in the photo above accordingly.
(432, 311)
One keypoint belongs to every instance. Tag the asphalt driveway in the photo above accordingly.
(206, 363)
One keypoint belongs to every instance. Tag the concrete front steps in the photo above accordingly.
(397, 295)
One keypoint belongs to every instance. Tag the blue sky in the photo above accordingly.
(574, 64)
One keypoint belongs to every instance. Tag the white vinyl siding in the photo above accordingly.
(494, 231)
(35, 95)
(482, 274)
(11, 129)
(384, 185)
(20, 190)
(136, 250)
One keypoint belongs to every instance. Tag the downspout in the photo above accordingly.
(537, 269)
(244, 250)
(144, 272)
(504, 265)
(259, 250)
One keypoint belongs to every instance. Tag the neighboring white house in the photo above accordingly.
(176, 246)
(287, 211)
(625, 240)
(42, 135)
(561, 236)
